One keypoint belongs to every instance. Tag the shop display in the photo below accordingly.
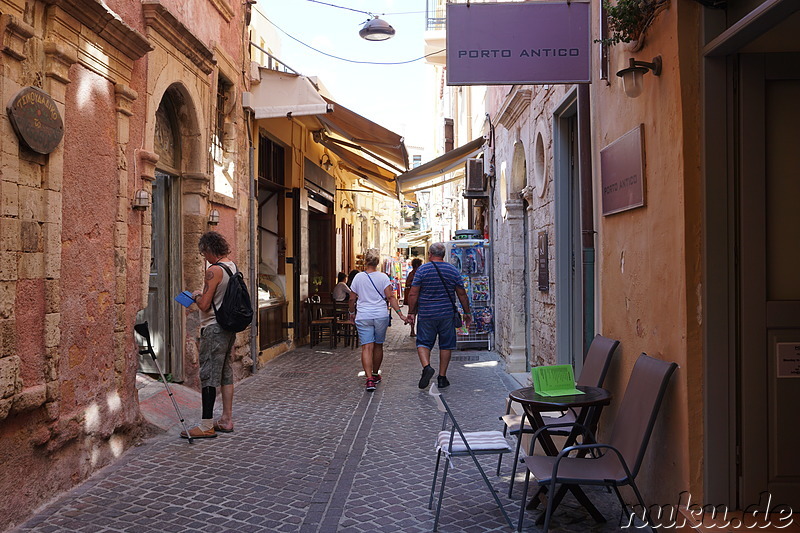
(471, 258)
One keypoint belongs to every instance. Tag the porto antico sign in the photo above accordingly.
(519, 43)
(36, 120)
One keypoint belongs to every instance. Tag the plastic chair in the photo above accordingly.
(456, 443)
(618, 461)
(593, 374)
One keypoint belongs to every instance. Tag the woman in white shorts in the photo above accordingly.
(374, 294)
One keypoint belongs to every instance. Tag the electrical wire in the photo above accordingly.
(367, 12)
(344, 58)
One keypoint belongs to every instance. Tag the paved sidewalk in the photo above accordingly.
(313, 452)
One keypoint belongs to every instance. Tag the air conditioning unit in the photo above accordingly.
(476, 182)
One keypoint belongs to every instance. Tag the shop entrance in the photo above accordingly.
(768, 381)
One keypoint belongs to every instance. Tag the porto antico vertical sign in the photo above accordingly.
(522, 43)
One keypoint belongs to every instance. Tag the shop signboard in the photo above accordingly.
(622, 172)
(522, 43)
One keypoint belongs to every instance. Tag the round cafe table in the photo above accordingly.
(586, 406)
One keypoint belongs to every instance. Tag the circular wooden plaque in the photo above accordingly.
(36, 120)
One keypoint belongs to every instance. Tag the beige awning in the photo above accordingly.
(281, 94)
(362, 134)
(439, 166)
(382, 179)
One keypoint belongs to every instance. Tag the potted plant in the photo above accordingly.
(316, 281)
(628, 19)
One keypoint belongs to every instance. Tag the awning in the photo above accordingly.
(379, 142)
(382, 179)
(439, 166)
(281, 94)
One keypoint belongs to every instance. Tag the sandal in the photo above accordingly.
(221, 429)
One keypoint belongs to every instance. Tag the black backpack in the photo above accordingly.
(236, 312)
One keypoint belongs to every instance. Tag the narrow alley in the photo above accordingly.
(313, 452)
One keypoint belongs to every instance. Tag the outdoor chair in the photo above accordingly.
(617, 462)
(321, 322)
(454, 442)
(346, 331)
(593, 374)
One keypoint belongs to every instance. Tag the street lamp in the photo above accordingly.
(375, 29)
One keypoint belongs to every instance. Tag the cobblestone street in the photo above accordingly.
(313, 452)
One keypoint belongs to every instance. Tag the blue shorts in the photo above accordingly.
(429, 328)
(372, 330)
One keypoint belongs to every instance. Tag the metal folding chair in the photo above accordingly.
(454, 442)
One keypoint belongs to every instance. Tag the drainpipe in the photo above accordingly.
(253, 254)
(587, 212)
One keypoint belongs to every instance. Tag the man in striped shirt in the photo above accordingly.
(432, 300)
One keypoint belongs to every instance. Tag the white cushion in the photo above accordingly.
(478, 440)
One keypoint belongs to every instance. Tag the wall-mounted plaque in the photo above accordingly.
(544, 264)
(622, 172)
(36, 120)
(788, 359)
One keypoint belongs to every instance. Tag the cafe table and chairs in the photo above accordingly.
(587, 402)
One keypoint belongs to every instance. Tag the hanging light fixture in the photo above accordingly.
(213, 217)
(632, 76)
(375, 29)
(326, 162)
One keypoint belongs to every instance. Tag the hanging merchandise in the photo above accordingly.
(471, 258)
(480, 288)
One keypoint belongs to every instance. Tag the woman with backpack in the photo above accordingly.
(375, 296)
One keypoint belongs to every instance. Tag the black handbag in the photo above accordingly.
(457, 322)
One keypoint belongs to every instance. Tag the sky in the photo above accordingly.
(398, 97)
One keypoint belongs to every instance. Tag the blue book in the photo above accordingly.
(184, 298)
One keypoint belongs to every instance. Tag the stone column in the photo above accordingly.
(516, 358)
(124, 98)
(146, 162)
(14, 33)
(58, 59)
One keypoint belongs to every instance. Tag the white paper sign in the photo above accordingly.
(788, 359)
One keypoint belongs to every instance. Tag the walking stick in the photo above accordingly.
(144, 330)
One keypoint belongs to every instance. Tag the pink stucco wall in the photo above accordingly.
(79, 409)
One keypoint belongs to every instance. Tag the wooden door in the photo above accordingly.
(768, 280)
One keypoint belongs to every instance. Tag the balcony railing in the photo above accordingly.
(435, 15)
(272, 62)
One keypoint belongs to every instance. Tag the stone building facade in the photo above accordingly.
(145, 92)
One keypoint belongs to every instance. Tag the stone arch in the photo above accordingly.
(189, 130)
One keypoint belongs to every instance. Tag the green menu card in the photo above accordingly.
(554, 380)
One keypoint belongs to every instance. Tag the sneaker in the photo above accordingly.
(427, 374)
(371, 385)
(442, 382)
(376, 378)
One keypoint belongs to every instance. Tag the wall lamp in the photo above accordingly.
(375, 29)
(326, 162)
(141, 200)
(213, 217)
(632, 76)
